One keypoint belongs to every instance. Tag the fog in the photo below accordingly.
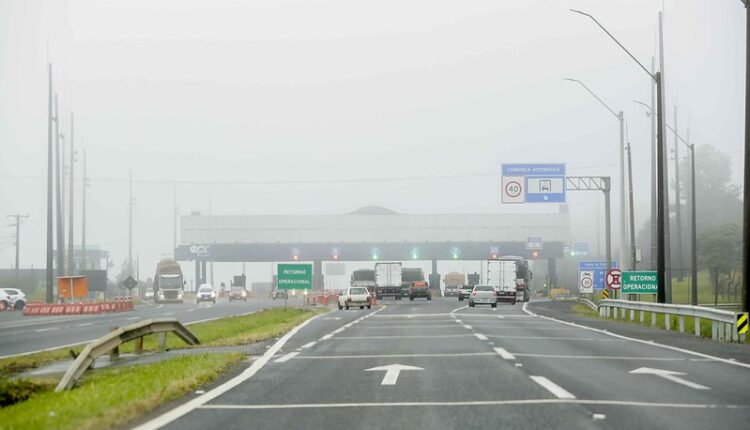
(323, 107)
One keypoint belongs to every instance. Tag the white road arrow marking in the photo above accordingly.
(670, 375)
(391, 372)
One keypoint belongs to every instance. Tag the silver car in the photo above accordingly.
(483, 295)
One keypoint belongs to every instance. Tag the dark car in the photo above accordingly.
(279, 294)
(420, 289)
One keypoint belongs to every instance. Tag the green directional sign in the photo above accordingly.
(639, 282)
(294, 276)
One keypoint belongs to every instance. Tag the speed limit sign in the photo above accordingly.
(513, 189)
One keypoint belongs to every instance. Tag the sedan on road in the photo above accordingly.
(16, 299)
(205, 293)
(483, 295)
(355, 296)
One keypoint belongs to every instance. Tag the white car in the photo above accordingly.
(149, 294)
(206, 293)
(355, 296)
(16, 299)
(483, 294)
(4, 301)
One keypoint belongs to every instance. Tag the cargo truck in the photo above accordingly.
(388, 280)
(501, 275)
(363, 278)
(453, 282)
(410, 275)
(168, 282)
(523, 276)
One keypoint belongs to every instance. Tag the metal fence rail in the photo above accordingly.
(111, 342)
(723, 323)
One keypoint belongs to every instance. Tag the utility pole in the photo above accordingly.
(60, 228)
(746, 181)
(130, 228)
(49, 287)
(18, 241)
(84, 184)
(174, 224)
(631, 212)
(693, 228)
(653, 167)
(71, 266)
(665, 236)
(678, 201)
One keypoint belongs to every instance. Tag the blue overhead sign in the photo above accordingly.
(600, 271)
(533, 183)
(534, 243)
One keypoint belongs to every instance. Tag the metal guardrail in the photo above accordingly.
(111, 342)
(723, 323)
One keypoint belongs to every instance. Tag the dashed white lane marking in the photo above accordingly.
(609, 357)
(340, 329)
(337, 331)
(535, 338)
(46, 329)
(287, 357)
(443, 355)
(85, 325)
(131, 319)
(553, 388)
(425, 336)
(467, 327)
(598, 417)
(480, 403)
(326, 337)
(191, 310)
(502, 352)
(480, 336)
(309, 345)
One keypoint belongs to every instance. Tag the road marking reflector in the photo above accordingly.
(480, 336)
(553, 388)
(287, 357)
(502, 352)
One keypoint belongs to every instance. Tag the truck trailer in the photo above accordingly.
(388, 280)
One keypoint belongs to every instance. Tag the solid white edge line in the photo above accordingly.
(645, 342)
(556, 390)
(502, 352)
(248, 373)
(482, 403)
(480, 336)
(287, 357)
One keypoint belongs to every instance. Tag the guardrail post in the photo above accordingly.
(114, 354)
(162, 341)
(735, 336)
(682, 324)
(641, 316)
(697, 324)
(714, 330)
(653, 319)
(139, 345)
(632, 315)
(667, 322)
(608, 311)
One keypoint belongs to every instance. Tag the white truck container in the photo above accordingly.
(501, 274)
(388, 280)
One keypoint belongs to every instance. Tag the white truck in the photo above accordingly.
(388, 280)
(501, 275)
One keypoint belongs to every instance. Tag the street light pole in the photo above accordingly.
(624, 227)
(746, 188)
(49, 293)
(660, 248)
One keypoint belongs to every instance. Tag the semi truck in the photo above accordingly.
(501, 275)
(388, 280)
(453, 282)
(410, 275)
(465, 291)
(168, 282)
(523, 276)
(363, 278)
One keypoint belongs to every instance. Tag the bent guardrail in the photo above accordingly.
(723, 323)
(111, 342)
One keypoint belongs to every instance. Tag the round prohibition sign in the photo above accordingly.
(614, 279)
(513, 189)
(587, 282)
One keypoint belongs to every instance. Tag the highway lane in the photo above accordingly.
(478, 368)
(22, 334)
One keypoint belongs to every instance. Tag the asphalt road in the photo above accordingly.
(478, 368)
(22, 334)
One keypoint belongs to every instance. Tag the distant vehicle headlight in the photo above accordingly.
(244, 293)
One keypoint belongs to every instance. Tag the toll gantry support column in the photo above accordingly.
(318, 280)
(552, 272)
(434, 277)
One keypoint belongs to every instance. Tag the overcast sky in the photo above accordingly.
(203, 96)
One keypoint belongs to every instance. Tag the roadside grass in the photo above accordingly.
(21, 363)
(240, 330)
(111, 397)
(674, 320)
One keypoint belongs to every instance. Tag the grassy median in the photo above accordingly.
(110, 397)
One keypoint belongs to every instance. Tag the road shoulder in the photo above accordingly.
(562, 310)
